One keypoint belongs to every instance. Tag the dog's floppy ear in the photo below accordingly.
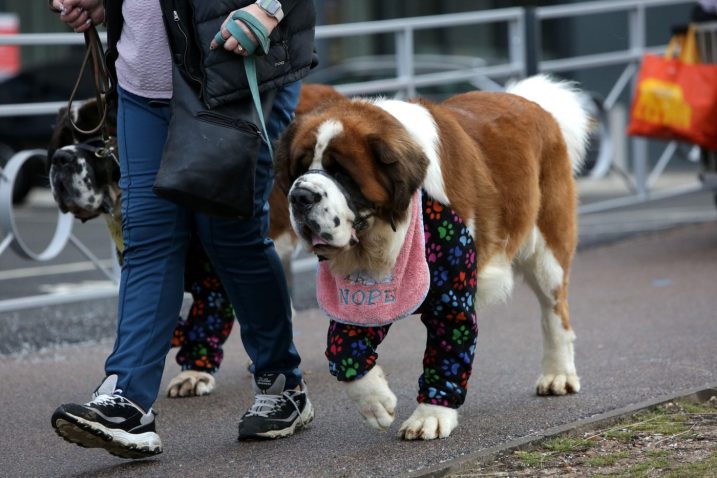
(404, 165)
(61, 134)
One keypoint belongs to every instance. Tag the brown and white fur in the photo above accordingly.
(503, 161)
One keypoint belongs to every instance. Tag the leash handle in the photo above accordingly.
(94, 53)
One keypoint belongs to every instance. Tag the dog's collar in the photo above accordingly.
(104, 148)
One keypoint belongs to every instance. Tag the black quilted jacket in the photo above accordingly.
(219, 75)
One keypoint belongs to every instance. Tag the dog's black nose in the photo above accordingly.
(303, 197)
(62, 157)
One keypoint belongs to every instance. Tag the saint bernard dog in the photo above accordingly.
(491, 175)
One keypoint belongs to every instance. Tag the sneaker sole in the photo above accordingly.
(117, 442)
(306, 416)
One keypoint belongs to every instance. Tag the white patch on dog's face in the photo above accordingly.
(326, 132)
(320, 213)
(319, 210)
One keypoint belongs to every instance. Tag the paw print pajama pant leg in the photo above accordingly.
(202, 334)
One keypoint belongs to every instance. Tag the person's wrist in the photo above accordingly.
(267, 20)
(271, 8)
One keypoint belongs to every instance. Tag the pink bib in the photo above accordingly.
(360, 300)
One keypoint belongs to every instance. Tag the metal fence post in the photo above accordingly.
(639, 145)
(404, 60)
(533, 44)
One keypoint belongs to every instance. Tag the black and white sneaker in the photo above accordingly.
(276, 412)
(109, 421)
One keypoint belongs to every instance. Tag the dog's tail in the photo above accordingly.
(566, 103)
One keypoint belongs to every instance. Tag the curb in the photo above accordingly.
(699, 394)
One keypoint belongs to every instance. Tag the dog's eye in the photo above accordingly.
(335, 169)
(300, 164)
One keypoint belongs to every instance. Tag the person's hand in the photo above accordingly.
(80, 14)
(231, 43)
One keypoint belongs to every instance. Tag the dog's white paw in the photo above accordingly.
(429, 422)
(191, 383)
(374, 399)
(557, 384)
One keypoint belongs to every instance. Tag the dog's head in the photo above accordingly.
(349, 169)
(83, 175)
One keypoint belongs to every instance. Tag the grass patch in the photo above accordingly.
(699, 408)
(659, 422)
(567, 444)
(607, 460)
(645, 468)
(530, 458)
(623, 436)
(675, 440)
(703, 469)
(658, 453)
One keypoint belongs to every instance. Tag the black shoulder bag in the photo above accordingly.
(210, 156)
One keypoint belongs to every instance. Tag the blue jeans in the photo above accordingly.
(156, 236)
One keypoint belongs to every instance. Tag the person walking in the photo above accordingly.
(156, 231)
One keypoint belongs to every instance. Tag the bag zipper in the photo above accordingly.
(228, 122)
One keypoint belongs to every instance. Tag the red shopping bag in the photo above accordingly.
(676, 97)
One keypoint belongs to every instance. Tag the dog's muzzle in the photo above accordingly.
(323, 213)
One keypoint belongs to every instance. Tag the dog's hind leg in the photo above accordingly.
(549, 281)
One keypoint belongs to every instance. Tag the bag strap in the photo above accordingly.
(675, 46)
(683, 46)
(262, 37)
(689, 53)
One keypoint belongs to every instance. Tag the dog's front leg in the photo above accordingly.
(429, 422)
(374, 399)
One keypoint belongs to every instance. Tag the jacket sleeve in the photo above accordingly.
(288, 6)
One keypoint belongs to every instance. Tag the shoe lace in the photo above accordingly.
(106, 399)
(265, 404)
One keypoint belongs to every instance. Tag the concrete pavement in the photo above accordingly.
(644, 310)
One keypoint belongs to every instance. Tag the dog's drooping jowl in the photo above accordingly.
(486, 180)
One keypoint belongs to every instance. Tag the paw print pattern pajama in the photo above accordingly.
(202, 334)
(448, 314)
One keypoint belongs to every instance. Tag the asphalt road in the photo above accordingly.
(644, 310)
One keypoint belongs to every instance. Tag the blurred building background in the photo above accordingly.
(563, 38)
(47, 73)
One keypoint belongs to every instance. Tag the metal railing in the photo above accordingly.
(638, 179)
(524, 54)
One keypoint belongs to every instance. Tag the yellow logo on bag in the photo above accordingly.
(660, 102)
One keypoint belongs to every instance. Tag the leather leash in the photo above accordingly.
(95, 55)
